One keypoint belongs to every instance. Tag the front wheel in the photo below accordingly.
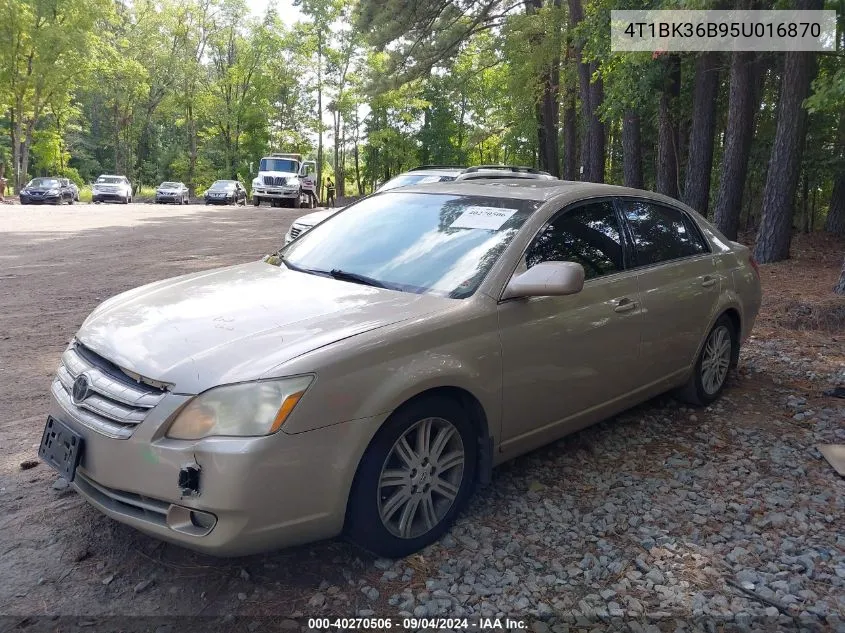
(413, 479)
(296, 203)
(714, 361)
(256, 201)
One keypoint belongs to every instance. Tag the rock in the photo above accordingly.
(143, 585)
(60, 484)
(245, 575)
(420, 611)
(29, 463)
(108, 579)
(371, 593)
(317, 600)
(655, 576)
(242, 596)
(383, 564)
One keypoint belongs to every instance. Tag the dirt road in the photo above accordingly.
(661, 511)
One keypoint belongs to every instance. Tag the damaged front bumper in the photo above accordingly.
(221, 495)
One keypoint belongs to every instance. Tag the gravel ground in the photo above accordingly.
(664, 518)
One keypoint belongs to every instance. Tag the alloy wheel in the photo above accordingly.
(421, 478)
(716, 359)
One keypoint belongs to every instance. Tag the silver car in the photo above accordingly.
(364, 379)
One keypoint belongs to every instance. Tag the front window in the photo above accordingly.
(47, 183)
(424, 243)
(278, 164)
(222, 185)
(169, 185)
(111, 180)
(413, 179)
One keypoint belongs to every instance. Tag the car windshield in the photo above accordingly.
(413, 179)
(169, 185)
(44, 182)
(222, 185)
(112, 180)
(279, 164)
(414, 242)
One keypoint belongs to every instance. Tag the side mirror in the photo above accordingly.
(547, 279)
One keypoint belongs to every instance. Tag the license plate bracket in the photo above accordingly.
(61, 447)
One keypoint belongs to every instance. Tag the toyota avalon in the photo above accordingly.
(366, 377)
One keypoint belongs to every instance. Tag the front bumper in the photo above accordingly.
(256, 494)
(174, 198)
(103, 196)
(45, 199)
(227, 200)
(275, 193)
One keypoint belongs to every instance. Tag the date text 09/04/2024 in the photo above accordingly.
(415, 624)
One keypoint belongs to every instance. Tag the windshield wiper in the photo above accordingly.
(335, 273)
(345, 275)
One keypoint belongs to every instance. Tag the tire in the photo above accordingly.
(71, 201)
(297, 202)
(707, 381)
(256, 201)
(396, 536)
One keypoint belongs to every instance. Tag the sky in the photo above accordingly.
(287, 11)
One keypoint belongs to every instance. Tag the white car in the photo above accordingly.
(108, 187)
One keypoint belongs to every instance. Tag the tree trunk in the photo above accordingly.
(667, 128)
(592, 95)
(548, 108)
(775, 231)
(839, 288)
(702, 134)
(570, 153)
(597, 131)
(805, 207)
(16, 132)
(836, 213)
(632, 150)
(744, 90)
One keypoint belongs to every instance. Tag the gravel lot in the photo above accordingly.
(648, 521)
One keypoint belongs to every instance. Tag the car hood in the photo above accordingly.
(40, 189)
(238, 323)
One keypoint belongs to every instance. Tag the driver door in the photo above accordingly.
(568, 360)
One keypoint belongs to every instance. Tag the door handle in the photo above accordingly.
(625, 305)
(709, 281)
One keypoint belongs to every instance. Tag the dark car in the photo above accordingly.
(225, 192)
(47, 191)
(67, 182)
(175, 192)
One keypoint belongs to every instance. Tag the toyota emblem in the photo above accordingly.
(81, 388)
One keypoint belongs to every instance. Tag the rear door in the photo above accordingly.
(678, 281)
(568, 356)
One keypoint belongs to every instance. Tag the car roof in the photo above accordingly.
(538, 190)
(433, 171)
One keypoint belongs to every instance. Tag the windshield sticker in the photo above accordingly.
(490, 218)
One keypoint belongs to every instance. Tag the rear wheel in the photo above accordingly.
(714, 361)
(413, 479)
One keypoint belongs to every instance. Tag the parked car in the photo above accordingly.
(225, 192)
(422, 175)
(175, 192)
(47, 190)
(484, 172)
(115, 188)
(363, 379)
(67, 182)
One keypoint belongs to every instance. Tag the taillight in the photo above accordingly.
(754, 265)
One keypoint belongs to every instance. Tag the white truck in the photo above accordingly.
(286, 180)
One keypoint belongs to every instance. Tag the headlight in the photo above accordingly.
(242, 410)
(256, 182)
(292, 181)
(53, 192)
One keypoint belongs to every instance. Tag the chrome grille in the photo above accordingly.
(274, 181)
(115, 404)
